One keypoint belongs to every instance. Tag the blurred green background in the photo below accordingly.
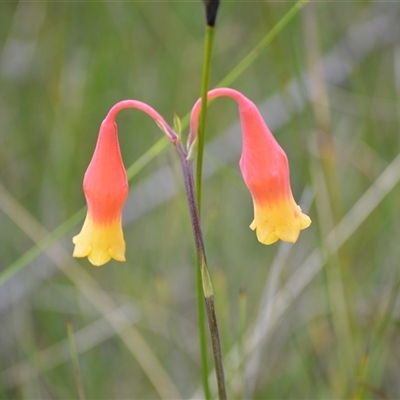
(314, 320)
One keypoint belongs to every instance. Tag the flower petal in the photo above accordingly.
(282, 220)
(100, 242)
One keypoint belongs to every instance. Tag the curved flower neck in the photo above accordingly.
(160, 121)
(241, 99)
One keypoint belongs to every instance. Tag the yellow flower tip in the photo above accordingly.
(100, 242)
(103, 256)
(280, 221)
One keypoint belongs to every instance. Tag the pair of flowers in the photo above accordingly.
(263, 164)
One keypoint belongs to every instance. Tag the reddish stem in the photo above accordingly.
(121, 105)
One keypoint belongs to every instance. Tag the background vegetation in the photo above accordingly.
(314, 320)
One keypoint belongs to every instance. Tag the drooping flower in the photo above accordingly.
(265, 170)
(106, 187)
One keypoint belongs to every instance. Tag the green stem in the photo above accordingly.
(202, 331)
(209, 39)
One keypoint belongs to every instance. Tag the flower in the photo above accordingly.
(106, 188)
(265, 170)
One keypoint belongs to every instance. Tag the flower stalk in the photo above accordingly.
(206, 285)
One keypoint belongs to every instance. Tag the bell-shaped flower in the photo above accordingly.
(265, 170)
(106, 187)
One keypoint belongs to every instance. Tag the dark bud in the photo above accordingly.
(211, 11)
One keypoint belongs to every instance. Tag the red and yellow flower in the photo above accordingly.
(265, 170)
(106, 188)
